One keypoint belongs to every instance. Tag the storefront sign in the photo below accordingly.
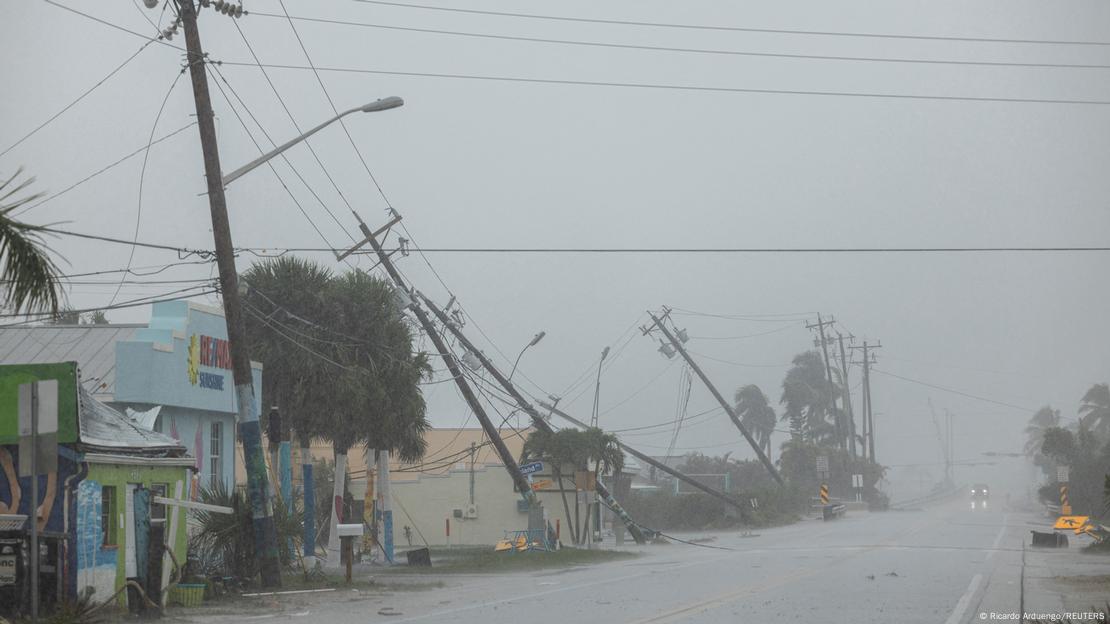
(211, 352)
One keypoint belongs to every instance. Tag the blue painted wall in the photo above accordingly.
(154, 369)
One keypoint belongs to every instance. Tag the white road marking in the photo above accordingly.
(998, 538)
(958, 613)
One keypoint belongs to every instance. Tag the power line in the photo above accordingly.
(695, 88)
(781, 31)
(141, 301)
(297, 126)
(204, 253)
(107, 167)
(734, 250)
(702, 355)
(157, 40)
(342, 123)
(142, 175)
(773, 331)
(961, 393)
(683, 50)
(75, 101)
(270, 164)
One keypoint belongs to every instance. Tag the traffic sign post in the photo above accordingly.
(38, 453)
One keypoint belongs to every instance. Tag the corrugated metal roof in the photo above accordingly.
(93, 347)
(103, 428)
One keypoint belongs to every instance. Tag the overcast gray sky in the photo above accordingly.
(487, 163)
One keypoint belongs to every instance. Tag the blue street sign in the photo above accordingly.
(531, 468)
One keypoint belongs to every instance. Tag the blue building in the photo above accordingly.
(172, 375)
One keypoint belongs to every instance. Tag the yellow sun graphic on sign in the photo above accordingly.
(194, 359)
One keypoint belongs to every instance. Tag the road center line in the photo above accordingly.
(998, 538)
(958, 613)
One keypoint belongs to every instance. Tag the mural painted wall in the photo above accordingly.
(182, 363)
(15, 498)
(105, 536)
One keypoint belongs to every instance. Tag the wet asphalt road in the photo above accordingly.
(943, 565)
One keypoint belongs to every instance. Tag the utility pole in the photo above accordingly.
(868, 416)
(647, 459)
(537, 421)
(837, 426)
(473, 449)
(452, 363)
(847, 396)
(262, 515)
(720, 399)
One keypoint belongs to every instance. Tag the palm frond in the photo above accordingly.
(25, 266)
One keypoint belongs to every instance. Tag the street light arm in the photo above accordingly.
(241, 171)
(371, 107)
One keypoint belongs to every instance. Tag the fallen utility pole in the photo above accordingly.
(653, 462)
(452, 363)
(537, 421)
(250, 432)
(720, 399)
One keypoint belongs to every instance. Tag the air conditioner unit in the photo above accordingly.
(471, 512)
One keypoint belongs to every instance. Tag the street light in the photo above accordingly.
(372, 107)
(535, 339)
(597, 387)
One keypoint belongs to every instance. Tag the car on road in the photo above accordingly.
(980, 494)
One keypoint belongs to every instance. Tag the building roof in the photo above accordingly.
(93, 347)
(107, 430)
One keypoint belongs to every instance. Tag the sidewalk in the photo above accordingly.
(1066, 579)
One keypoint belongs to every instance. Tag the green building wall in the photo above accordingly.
(98, 564)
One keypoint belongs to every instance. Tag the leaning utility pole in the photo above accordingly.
(647, 459)
(868, 418)
(250, 433)
(837, 425)
(452, 363)
(720, 399)
(537, 421)
(847, 396)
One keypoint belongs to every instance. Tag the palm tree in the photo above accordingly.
(1094, 410)
(1045, 418)
(807, 395)
(756, 415)
(381, 403)
(29, 273)
(577, 449)
(284, 302)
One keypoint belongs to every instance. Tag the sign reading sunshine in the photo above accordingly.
(209, 352)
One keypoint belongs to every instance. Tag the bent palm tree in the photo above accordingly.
(1044, 419)
(29, 273)
(756, 414)
(1094, 411)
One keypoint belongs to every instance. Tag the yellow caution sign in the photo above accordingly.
(824, 494)
(1065, 504)
(1071, 522)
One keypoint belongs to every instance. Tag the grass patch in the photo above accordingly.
(483, 560)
